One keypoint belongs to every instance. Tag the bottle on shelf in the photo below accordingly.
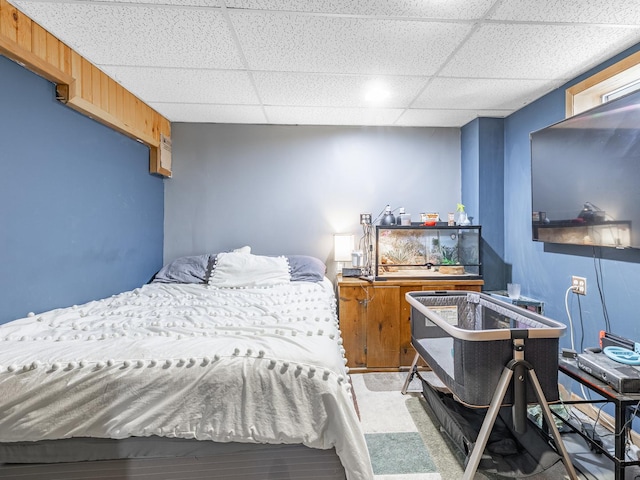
(403, 218)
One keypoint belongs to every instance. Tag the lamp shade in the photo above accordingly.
(342, 247)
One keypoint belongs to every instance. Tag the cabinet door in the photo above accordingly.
(352, 311)
(407, 352)
(383, 328)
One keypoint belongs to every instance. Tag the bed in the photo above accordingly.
(223, 363)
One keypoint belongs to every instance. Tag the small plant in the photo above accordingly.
(448, 256)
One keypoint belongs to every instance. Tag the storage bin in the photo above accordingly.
(467, 340)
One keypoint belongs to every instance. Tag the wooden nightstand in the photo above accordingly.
(375, 319)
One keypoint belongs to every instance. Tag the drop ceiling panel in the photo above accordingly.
(452, 9)
(622, 12)
(164, 3)
(331, 116)
(306, 89)
(531, 51)
(199, 113)
(187, 85)
(141, 35)
(302, 43)
(481, 93)
(311, 62)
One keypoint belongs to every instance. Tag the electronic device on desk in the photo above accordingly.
(619, 348)
(616, 362)
(622, 377)
(352, 271)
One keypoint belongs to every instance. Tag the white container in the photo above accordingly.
(405, 219)
(513, 290)
(356, 259)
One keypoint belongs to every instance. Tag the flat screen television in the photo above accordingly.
(585, 177)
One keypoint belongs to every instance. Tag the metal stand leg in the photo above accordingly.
(548, 416)
(411, 374)
(487, 424)
(492, 414)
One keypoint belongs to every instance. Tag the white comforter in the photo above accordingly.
(190, 361)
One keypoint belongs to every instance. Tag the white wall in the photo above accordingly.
(288, 189)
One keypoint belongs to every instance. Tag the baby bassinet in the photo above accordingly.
(476, 344)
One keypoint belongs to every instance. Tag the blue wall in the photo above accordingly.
(544, 270)
(470, 164)
(81, 218)
(482, 162)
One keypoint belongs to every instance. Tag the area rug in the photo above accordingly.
(403, 442)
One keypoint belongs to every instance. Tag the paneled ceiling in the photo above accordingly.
(318, 62)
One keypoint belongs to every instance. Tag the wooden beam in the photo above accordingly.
(94, 111)
(84, 87)
(34, 63)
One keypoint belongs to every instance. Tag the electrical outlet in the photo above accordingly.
(579, 285)
(365, 219)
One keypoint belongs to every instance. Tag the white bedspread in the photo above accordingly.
(189, 361)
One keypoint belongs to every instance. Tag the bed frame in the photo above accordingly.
(165, 458)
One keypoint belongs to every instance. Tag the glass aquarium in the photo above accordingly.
(428, 252)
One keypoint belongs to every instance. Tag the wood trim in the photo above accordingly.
(419, 284)
(161, 157)
(81, 85)
(599, 77)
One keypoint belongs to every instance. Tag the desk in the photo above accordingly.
(622, 403)
(522, 301)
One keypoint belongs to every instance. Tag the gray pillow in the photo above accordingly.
(196, 269)
(192, 269)
(305, 268)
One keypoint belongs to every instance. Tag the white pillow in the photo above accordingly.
(237, 269)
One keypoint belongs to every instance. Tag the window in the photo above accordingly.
(614, 81)
(622, 91)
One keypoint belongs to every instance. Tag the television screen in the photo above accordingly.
(585, 177)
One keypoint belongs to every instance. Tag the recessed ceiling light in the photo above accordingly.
(377, 93)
